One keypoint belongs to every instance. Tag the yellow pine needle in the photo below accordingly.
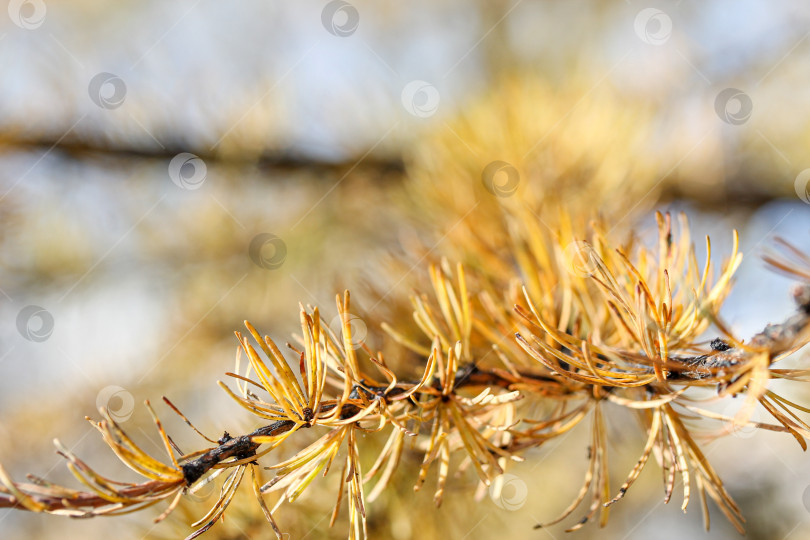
(273, 386)
(292, 390)
(655, 425)
(163, 435)
(20, 497)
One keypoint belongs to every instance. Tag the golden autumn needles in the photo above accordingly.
(505, 363)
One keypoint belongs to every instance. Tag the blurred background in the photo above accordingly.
(169, 169)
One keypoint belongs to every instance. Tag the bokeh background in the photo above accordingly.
(168, 169)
